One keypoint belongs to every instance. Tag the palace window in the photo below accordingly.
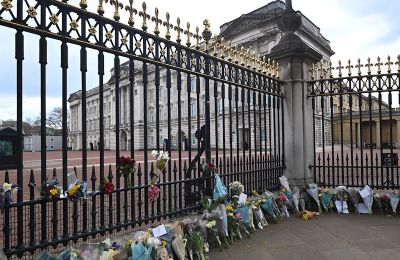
(193, 110)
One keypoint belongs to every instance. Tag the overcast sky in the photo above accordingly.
(356, 28)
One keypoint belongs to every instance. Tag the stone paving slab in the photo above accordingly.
(329, 236)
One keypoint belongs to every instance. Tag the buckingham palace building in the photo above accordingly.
(257, 31)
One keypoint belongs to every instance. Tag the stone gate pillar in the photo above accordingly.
(295, 58)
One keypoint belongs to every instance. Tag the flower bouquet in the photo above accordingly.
(107, 187)
(126, 168)
(280, 201)
(368, 197)
(377, 203)
(354, 197)
(220, 191)
(394, 201)
(77, 191)
(236, 188)
(313, 192)
(5, 194)
(284, 183)
(50, 190)
(208, 169)
(153, 192)
(326, 197)
(257, 212)
(213, 235)
(233, 224)
(268, 207)
(306, 215)
(162, 159)
(296, 198)
(246, 220)
(340, 196)
(195, 245)
(385, 203)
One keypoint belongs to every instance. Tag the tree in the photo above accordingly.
(54, 118)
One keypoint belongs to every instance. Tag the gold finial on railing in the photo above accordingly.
(378, 65)
(273, 67)
(339, 68)
(157, 21)
(312, 71)
(269, 67)
(330, 70)
(248, 58)
(242, 61)
(145, 16)
(349, 67)
(197, 37)
(215, 45)
(100, 8)
(359, 66)
(206, 34)
(235, 55)
(229, 50)
(259, 63)
(131, 11)
(398, 63)
(263, 65)
(83, 4)
(178, 30)
(389, 64)
(222, 47)
(117, 5)
(369, 65)
(188, 34)
(168, 25)
(321, 70)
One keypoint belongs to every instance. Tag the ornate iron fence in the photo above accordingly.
(356, 124)
(243, 133)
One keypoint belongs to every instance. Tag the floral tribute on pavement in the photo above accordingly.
(231, 215)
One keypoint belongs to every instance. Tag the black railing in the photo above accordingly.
(236, 96)
(356, 127)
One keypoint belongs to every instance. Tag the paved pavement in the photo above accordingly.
(330, 236)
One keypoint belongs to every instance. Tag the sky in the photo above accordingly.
(356, 29)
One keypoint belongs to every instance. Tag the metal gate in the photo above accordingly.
(204, 82)
(356, 123)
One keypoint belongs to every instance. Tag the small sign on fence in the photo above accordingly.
(390, 159)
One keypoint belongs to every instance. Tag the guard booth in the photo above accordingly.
(8, 147)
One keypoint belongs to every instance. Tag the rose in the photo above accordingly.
(153, 192)
(108, 188)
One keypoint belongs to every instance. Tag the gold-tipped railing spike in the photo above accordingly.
(157, 21)
(389, 65)
(168, 26)
(359, 66)
(248, 58)
(132, 11)
(321, 70)
(263, 65)
(349, 67)
(378, 65)
(398, 63)
(197, 37)
(188, 34)
(206, 34)
(330, 70)
(312, 71)
(222, 47)
(117, 5)
(100, 8)
(273, 67)
(369, 65)
(144, 16)
(229, 50)
(339, 68)
(269, 70)
(259, 63)
(254, 60)
(83, 4)
(236, 54)
(215, 45)
(242, 61)
(178, 30)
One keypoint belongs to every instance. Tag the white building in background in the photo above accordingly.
(256, 30)
(32, 143)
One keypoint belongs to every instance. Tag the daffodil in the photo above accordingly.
(7, 187)
(53, 192)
